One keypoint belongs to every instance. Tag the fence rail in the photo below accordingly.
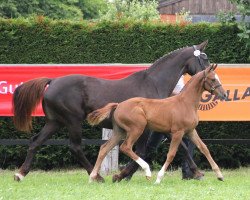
(57, 142)
(110, 163)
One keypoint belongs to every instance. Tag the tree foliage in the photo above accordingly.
(131, 9)
(243, 7)
(55, 9)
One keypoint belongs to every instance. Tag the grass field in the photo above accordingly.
(73, 184)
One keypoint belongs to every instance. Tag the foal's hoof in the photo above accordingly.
(220, 178)
(99, 179)
(18, 177)
(116, 178)
(148, 178)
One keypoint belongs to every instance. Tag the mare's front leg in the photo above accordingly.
(175, 142)
(189, 168)
(203, 148)
(39, 139)
(104, 149)
(128, 171)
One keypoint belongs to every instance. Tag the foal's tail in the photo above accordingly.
(25, 99)
(97, 116)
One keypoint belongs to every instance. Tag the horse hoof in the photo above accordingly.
(116, 178)
(199, 178)
(220, 178)
(127, 178)
(157, 182)
(148, 178)
(99, 179)
(199, 175)
(18, 177)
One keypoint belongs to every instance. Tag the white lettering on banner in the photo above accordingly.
(6, 87)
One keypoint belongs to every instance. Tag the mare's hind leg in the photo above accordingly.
(203, 148)
(175, 142)
(128, 171)
(75, 137)
(49, 128)
(104, 149)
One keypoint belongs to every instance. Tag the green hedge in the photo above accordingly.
(44, 41)
(48, 157)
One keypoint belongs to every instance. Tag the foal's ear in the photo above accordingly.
(202, 46)
(213, 67)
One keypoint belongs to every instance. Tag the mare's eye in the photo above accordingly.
(214, 80)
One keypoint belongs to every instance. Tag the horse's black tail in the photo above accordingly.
(97, 116)
(25, 99)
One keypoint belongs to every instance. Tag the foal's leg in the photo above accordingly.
(188, 164)
(126, 147)
(104, 149)
(152, 144)
(49, 128)
(176, 140)
(203, 148)
(128, 171)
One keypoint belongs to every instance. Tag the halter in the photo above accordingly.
(197, 55)
(212, 87)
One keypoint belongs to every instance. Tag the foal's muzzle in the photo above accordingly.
(222, 96)
(219, 90)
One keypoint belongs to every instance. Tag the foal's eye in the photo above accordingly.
(213, 80)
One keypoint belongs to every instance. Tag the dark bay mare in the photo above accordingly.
(176, 115)
(67, 100)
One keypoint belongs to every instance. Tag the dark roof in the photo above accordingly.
(163, 3)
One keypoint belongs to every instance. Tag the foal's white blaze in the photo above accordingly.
(20, 176)
(217, 77)
(160, 175)
(144, 166)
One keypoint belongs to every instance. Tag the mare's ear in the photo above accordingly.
(202, 46)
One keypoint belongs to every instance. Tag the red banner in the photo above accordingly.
(235, 79)
(13, 75)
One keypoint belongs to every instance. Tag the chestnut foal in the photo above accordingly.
(177, 114)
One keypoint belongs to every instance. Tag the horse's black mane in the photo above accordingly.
(166, 56)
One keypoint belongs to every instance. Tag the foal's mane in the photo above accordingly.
(192, 79)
